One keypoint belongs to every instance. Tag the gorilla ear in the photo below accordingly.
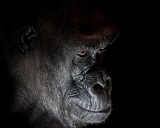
(27, 35)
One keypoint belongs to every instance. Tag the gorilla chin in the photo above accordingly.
(87, 116)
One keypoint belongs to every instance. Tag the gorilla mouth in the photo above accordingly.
(106, 110)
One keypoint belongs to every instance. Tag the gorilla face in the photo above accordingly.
(88, 96)
(59, 71)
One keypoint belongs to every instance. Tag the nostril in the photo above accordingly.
(98, 87)
(107, 82)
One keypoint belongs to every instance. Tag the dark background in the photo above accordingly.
(135, 67)
(133, 61)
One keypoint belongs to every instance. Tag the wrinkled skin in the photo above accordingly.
(58, 68)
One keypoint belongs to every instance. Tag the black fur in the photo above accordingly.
(61, 80)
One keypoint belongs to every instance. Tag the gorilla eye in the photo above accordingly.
(102, 49)
(82, 53)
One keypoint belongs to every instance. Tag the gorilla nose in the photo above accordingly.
(101, 86)
(103, 83)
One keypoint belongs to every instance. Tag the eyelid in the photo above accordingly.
(102, 49)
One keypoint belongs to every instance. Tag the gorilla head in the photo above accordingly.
(57, 64)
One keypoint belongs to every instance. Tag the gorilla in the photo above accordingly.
(55, 55)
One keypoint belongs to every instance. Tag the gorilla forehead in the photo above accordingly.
(81, 27)
(73, 36)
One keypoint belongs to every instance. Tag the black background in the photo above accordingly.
(134, 64)
(133, 61)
